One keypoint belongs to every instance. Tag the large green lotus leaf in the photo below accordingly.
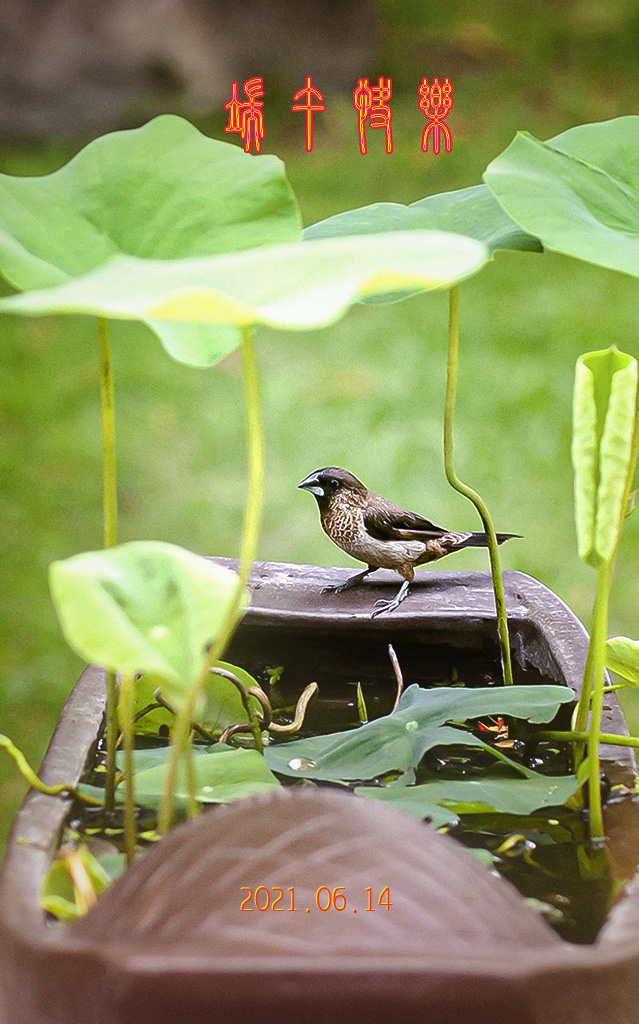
(578, 192)
(290, 286)
(442, 802)
(221, 776)
(398, 741)
(468, 211)
(145, 606)
(160, 192)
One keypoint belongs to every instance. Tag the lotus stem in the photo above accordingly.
(399, 678)
(107, 401)
(27, 772)
(598, 635)
(300, 711)
(570, 736)
(127, 707)
(593, 685)
(193, 808)
(248, 548)
(251, 714)
(468, 492)
(110, 513)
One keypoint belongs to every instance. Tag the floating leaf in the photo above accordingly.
(399, 740)
(578, 193)
(160, 192)
(148, 757)
(442, 802)
(222, 774)
(622, 657)
(291, 286)
(145, 606)
(605, 399)
(468, 211)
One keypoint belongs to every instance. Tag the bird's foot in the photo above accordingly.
(385, 606)
(334, 588)
(352, 581)
(389, 606)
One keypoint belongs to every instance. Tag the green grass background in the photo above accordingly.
(366, 394)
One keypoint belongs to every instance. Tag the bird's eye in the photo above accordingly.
(333, 483)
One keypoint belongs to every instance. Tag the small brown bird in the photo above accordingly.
(376, 531)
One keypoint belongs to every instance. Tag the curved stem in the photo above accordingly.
(27, 772)
(110, 513)
(248, 548)
(300, 711)
(468, 492)
(251, 714)
(267, 711)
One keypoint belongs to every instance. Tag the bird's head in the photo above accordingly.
(331, 481)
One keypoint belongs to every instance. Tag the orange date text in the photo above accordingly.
(274, 898)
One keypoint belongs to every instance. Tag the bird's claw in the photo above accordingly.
(384, 606)
(389, 606)
(332, 588)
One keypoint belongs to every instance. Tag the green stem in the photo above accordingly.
(127, 709)
(193, 807)
(107, 402)
(110, 512)
(592, 688)
(599, 632)
(111, 739)
(248, 548)
(583, 705)
(619, 686)
(570, 736)
(468, 492)
(27, 772)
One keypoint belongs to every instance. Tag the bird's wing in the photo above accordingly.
(390, 522)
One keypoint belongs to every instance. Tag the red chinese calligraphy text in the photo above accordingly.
(371, 103)
(245, 116)
(309, 92)
(435, 102)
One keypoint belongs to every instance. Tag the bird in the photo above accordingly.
(380, 533)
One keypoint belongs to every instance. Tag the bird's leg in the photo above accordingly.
(389, 606)
(352, 582)
(408, 573)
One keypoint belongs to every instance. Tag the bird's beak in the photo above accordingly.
(312, 484)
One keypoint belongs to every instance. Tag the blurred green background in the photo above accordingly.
(366, 394)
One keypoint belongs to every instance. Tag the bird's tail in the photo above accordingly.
(478, 540)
